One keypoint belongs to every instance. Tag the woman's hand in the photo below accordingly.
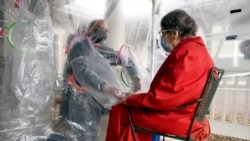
(123, 100)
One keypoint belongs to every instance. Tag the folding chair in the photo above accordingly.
(201, 110)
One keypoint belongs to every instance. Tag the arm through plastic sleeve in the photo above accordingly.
(79, 58)
(109, 54)
(130, 67)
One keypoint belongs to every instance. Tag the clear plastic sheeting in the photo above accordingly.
(127, 25)
(92, 71)
(159, 56)
(33, 59)
(126, 55)
(29, 71)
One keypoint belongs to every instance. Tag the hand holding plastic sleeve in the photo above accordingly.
(123, 100)
(114, 91)
(136, 85)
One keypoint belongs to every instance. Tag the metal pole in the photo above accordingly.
(151, 48)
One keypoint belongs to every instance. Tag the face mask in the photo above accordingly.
(99, 36)
(165, 46)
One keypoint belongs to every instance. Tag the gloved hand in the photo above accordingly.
(136, 85)
(114, 91)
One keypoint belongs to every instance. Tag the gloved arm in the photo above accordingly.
(128, 64)
(131, 69)
(136, 83)
(109, 54)
(79, 60)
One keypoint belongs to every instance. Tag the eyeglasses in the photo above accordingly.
(103, 29)
(160, 32)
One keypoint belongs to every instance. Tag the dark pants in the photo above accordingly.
(64, 108)
(83, 113)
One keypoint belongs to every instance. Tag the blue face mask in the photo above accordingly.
(165, 46)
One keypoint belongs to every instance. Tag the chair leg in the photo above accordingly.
(132, 126)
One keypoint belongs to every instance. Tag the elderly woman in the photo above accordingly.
(180, 80)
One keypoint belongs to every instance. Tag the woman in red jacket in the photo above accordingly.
(180, 80)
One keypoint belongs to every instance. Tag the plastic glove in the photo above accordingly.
(136, 85)
(114, 91)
